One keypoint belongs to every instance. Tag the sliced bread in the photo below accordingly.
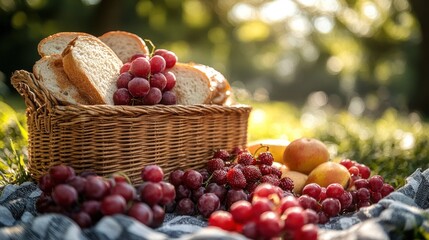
(124, 44)
(192, 85)
(93, 68)
(219, 84)
(50, 73)
(56, 43)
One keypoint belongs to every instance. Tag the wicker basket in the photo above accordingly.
(109, 139)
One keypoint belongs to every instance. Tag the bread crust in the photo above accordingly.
(199, 76)
(56, 36)
(219, 84)
(79, 76)
(142, 48)
(50, 73)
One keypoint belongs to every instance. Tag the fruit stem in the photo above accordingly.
(262, 146)
(151, 45)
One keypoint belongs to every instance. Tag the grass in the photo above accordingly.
(394, 145)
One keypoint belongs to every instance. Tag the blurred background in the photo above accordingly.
(364, 56)
(352, 73)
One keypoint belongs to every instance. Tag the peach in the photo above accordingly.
(329, 172)
(305, 154)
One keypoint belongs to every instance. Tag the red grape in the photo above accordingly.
(154, 96)
(313, 190)
(64, 195)
(269, 225)
(150, 193)
(334, 190)
(192, 179)
(361, 183)
(138, 87)
(347, 163)
(45, 183)
(95, 188)
(185, 207)
(346, 199)
(182, 192)
(294, 218)
(241, 211)
(137, 55)
(307, 232)
(354, 171)
(123, 80)
(59, 174)
(78, 183)
(331, 207)
(312, 216)
(288, 202)
(158, 216)
(386, 189)
(364, 171)
(158, 80)
(142, 212)
(376, 183)
(157, 64)
(152, 173)
(82, 219)
(168, 98)
(234, 195)
(207, 204)
(308, 202)
(140, 67)
(125, 67)
(222, 219)
(169, 56)
(219, 190)
(122, 97)
(168, 193)
(171, 80)
(113, 204)
(92, 207)
(175, 177)
(363, 194)
(127, 191)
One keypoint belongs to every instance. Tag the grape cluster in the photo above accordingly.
(269, 214)
(146, 80)
(87, 197)
(227, 178)
(365, 189)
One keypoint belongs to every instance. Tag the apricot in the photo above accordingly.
(305, 154)
(330, 172)
(299, 179)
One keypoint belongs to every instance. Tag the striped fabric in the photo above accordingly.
(391, 218)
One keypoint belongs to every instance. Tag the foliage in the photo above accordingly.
(13, 146)
(288, 48)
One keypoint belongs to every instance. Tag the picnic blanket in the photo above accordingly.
(394, 217)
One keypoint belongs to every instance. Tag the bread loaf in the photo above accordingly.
(56, 43)
(50, 73)
(93, 68)
(192, 85)
(124, 44)
(218, 84)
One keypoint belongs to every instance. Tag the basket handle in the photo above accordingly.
(38, 100)
(35, 96)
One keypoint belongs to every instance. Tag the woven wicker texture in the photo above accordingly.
(109, 139)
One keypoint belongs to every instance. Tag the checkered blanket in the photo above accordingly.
(392, 218)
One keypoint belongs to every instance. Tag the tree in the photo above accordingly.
(419, 100)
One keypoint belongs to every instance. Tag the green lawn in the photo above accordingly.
(394, 145)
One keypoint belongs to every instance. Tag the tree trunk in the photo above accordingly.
(419, 100)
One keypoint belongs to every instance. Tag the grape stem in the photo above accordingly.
(262, 146)
(151, 45)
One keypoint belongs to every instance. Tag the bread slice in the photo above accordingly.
(50, 73)
(93, 68)
(219, 84)
(56, 43)
(192, 85)
(124, 44)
